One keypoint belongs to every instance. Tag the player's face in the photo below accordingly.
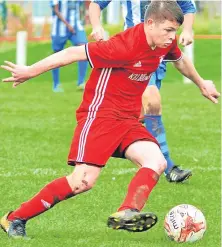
(164, 33)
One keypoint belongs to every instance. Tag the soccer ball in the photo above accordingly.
(185, 223)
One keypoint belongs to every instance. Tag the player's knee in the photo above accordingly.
(80, 184)
(159, 166)
(153, 107)
(163, 166)
(151, 101)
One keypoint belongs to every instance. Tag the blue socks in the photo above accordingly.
(155, 126)
(82, 68)
(55, 76)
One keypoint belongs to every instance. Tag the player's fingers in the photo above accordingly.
(7, 68)
(93, 36)
(188, 42)
(98, 36)
(10, 64)
(211, 98)
(181, 39)
(9, 79)
(185, 42)
(15, 84)
(217, 94)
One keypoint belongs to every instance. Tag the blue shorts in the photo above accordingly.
(79, 37)
(158, 76)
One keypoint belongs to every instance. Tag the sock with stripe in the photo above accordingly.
(155, 126)
(139, 189)
(53, 193)
(82, 69)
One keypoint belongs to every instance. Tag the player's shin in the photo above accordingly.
(139, 189)
(54, 192)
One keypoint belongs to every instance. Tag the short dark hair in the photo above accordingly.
(164, 10)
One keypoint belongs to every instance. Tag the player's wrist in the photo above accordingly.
(32, 71)
(200, 82)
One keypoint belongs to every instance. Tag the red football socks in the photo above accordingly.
(139, 189)
(54, 192)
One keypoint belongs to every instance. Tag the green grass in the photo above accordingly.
(36, 130)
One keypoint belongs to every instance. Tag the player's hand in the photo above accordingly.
(97, 33)
(186, 38)
(19, 73)
(209, 91)
(71, 29)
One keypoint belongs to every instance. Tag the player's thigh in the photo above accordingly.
(58, 43)
(83, 177)
(79, 38)
(146, 154)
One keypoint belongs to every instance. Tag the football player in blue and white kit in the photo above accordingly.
(133, 13)
(66, 25)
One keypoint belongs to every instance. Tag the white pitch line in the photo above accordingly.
(121, 171)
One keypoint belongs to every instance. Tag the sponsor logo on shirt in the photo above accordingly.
(139, 77)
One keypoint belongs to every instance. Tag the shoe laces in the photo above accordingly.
(176, 169)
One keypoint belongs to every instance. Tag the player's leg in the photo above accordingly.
(151, 101)
(58, 44)
(79, 38)
(82, 179)
(139, 146)
(147, 155)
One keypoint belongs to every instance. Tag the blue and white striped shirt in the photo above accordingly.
(134, 10)
(70, 10)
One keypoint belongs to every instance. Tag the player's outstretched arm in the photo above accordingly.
(20, 74)
(207, 87)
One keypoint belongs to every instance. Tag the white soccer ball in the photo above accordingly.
(185, 223)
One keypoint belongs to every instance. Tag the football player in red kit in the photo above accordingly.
(108, 116)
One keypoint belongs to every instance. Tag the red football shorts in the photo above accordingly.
(96, 140)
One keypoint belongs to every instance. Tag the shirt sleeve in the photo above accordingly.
(102, 4)
(187, 6)
(174, 53)
(107, 54)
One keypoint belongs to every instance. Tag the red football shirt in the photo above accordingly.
(122, 67)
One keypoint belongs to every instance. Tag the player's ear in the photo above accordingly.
(150, 23)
